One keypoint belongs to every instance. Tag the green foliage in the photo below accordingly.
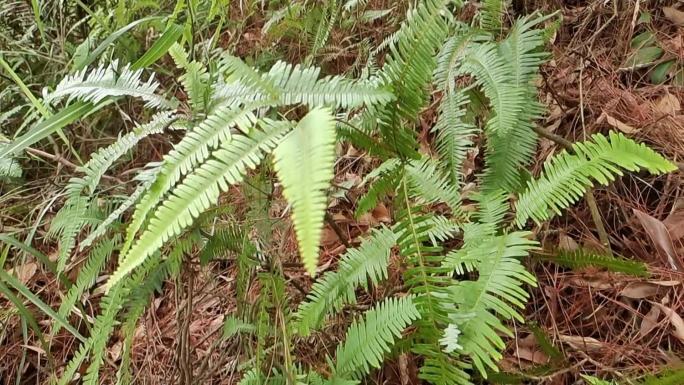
(583, 258)
(357, 267)
(240, 127)
(367, 340)
(566, 177)
(304, 164)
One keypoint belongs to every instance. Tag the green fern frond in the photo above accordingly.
(583, 258)
(491, 14)
(195, 80)
(382, 186)
(492, 207)
(357, 267)
(454, 136)
(199, 190)
(304, 163)
(496, 294)
(452, 53)
(87, 275)
(301, 85)
(566, 177)
(110, 81)
(429, 184)
(507, 154)
(193, 149)
(368, 340)
(103, 159)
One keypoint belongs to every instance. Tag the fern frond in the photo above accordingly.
(566, 177)
(451, 55)
(103, 159)
(507, 154)
(492, 207)
(454, 136)
(304, 162)
(429, 184)
(193, 149)
(301, 85)
(496, 294)
(491, 14)
(110, 81)
(199, 190)
(408, 70)
(382, 186)
(367, 341)
(357, 267)
(195, 80)
(583, 258)
(87, 275)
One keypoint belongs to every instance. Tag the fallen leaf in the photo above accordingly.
(565, 242)
(328, 237)
(115, 351)
(674, 15)
(24, 272)
(650, 321)
(675, 319)
(624, 127)
(660, 236)
(532, 355)
(581, 343)
(675, 224)
(668, 105)
(381, 214)
(638, 290)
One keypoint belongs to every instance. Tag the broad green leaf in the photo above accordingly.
(660, 72)
(160, 47)
(47, 126)
(304, 164)
(109, 40)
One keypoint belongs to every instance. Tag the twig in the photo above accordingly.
(589, 196)
(62, 160)
(331, 222)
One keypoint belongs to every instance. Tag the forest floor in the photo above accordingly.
(599, 322)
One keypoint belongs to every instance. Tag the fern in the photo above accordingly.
(357, 267)
(110, 81)
(366, 341)
(199, 190)
(304, 164)
(586, 258)
(195, 79)
(566, 177)
(193, 149)
(495, 295)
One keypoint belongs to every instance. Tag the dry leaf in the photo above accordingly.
(674, 15)
(660, 236)
(668, 105)
(328, 237)
(24, 272)
(624, 127)
(675, 319)
(381, 214)
(638, 290)
(675, 224)
(532, 355)
(565, 242)
(650, 321)
(115, 351)
(581, 343)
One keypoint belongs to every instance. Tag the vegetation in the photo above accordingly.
(448, 272)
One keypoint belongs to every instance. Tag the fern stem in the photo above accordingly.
(589, 196)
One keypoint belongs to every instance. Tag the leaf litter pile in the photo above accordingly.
(615, 65)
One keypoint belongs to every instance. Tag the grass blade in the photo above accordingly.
(160, 47)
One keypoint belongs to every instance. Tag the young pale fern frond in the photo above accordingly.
(368, 340)
(566, 177)
(110, 81)
(497, 294)
(199, 190)
(195, 80)
(357, 267)
(304, 163)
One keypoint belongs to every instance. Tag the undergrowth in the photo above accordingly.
(246, 122)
